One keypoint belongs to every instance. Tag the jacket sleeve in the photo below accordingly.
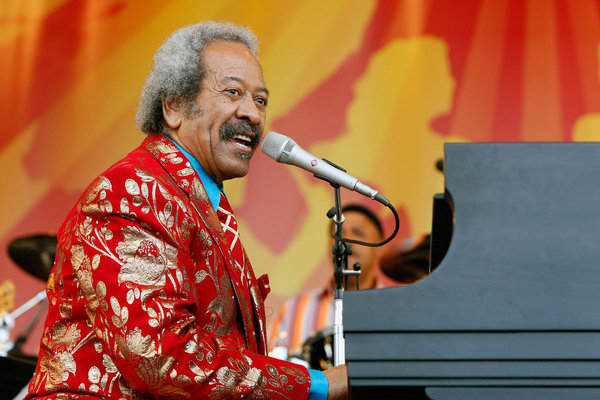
(165, 317)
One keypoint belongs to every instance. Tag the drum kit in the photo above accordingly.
(406, 263)
(318, 350)
(34, 254)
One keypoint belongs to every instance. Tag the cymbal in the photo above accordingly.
(34, 254)
(408, 261)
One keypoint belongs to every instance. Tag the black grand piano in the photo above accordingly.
(512, 311)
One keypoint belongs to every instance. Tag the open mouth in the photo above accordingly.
(243, 135)
(243, 140)
(246, 142)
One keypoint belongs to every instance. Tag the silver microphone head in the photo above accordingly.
(277, 146)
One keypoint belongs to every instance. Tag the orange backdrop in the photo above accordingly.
(375, 86)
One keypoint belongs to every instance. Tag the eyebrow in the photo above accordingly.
(240, 80)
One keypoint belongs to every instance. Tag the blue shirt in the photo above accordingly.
(319, 386)
(210, 186)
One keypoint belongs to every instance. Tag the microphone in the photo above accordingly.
(284, 150)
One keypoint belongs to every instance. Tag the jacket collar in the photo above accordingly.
(185, 177)
(210, 186)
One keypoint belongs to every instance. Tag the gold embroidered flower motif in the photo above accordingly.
(158, 147)
(198, 191)
(146, 258)
(94, 199)
(244, 379)
(137, 344)
(153, 371)
(97, 187)
(240, 379)
(62, 341)
(224, 306)
(296, 372)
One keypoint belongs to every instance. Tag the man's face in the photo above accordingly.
(231, 106)
(357, 226)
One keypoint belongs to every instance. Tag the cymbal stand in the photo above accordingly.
(7, 321)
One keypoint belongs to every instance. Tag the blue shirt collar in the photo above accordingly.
(212, 190)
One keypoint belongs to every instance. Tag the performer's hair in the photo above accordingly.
(178, 69)
(366, 212)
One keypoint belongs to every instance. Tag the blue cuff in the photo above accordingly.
(319, 386)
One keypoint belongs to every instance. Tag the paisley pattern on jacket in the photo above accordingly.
(146, 299)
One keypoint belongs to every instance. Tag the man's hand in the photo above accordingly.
(338, 382)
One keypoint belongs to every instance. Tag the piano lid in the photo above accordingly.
(524, 251)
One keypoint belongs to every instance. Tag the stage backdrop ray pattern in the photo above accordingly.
(374, 86)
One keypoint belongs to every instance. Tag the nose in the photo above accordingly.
(248, 109)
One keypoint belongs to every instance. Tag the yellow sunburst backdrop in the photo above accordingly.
(374, 86)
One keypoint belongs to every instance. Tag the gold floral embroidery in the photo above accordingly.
(56, 365)
(153, 371)
(100, 184)
(240, 379)
(224, 306)
(197, 191)
(145, 257)
(138, 224)
(158, 147)
(297, 373)
(243, 379)
(137, 344)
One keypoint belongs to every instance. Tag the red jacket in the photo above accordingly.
(146, 300)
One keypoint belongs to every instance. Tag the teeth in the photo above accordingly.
(245, 138)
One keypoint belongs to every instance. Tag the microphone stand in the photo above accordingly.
(340, 261)
(340, 251)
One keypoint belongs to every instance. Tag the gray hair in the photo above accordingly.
(177, 70)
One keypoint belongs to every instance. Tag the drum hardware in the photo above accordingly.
(7, 323)
(34, 254)
(318, 351)
(7, 298)
(16, 374)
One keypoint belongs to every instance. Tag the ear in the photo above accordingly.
(172, 112)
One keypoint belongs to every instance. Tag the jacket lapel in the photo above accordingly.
(186, 178)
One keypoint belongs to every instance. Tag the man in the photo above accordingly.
(302, 317)
(152, 294)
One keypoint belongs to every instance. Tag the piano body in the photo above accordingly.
(513, 309)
